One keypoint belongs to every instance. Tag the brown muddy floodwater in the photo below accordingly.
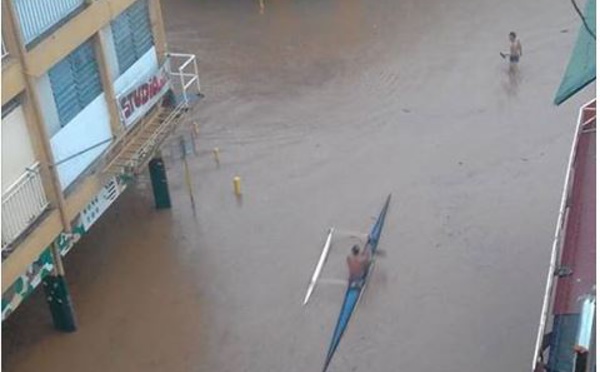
(323, 108)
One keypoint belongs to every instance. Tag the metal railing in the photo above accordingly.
(38, 16)
(22, 203)
(559, 232)
(4, 51)
(156, 138)
(182, 71)
(185, 67)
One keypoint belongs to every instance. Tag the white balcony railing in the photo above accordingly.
(4, 51)
(184, 68)
(22, 203)
(587, 115)
(38, 16)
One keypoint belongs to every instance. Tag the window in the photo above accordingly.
(75, 82)
(37, 18)
(132, 34)
(9, 106)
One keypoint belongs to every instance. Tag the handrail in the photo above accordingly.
(22, 203)
(4, 50)
(181, 82)
(557, 238)
(151, 141)
(186, 78)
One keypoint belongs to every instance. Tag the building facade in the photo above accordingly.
(89, 93)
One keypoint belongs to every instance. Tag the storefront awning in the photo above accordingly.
(582, 67)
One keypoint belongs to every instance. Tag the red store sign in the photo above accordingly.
(134, 103)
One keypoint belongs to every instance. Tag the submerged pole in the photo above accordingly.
(58, 296)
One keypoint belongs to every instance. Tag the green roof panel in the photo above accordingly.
(582, 67)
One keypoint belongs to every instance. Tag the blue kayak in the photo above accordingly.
(355, 289)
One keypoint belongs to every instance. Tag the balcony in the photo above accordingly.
(569, 297)
(133, 150)
(22, 204)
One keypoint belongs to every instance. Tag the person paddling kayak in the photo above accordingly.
(358, 262)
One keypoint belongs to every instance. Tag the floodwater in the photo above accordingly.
(323, 108)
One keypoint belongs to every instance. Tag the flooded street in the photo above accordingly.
(323, 108)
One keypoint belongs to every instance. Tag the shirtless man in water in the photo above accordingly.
(358, 262)
(516, 51)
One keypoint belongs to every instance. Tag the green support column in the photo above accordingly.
(59, 300)
(160, 185)
(58, 296)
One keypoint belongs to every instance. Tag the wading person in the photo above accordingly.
(515, 50)
(358, 262)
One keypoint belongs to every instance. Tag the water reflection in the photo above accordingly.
(513, 79)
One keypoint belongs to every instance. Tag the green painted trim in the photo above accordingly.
(26, 283)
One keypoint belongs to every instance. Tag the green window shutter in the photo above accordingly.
(132, 34)
(75, 82)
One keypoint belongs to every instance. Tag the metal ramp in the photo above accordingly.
(144, 143)
(135, 148)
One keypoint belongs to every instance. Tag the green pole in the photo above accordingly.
(58, 296)
(160, 184)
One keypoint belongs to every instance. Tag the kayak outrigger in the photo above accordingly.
(355, 288)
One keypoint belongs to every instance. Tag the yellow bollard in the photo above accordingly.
(237, 186)
(216, 155)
